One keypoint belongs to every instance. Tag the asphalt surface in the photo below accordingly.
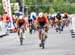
(56, 44)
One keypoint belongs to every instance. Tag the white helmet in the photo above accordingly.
(41, 14)
(32, 14)
(20, 17)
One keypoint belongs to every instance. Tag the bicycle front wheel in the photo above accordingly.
(21, 39)
(42, 42)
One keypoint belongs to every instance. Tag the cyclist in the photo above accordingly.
(21, 23)
(41, 21)
(65, 15)
(49, 17)
(31, 21)
(59, 21)
(33, 16)
(66, 19)
(58, 16)
(53, 21)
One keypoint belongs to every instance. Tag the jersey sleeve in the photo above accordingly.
(17, 22)
(25, 21)
(46, 18)
(36, 19)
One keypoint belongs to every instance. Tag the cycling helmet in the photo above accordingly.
(58, 15)
(20, 17)
(33, 15)
(40, 14)
(65, 14)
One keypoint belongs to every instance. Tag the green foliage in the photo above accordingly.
(28, 2)
(1, 10)
(0, 1)
(53, 6)
(65, 8)
(12, 1)
(51, 10)
(61, 6)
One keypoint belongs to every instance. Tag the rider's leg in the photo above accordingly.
(56, 27)
(18, 29)
(23, 28)
(40, 37)
(39, 34)
(46, 31)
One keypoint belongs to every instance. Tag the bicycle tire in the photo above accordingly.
(21, 39)
(43, 46)
(30, 31)
(42, 42)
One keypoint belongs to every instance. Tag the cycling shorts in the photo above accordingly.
(41, 25)
(20, 25)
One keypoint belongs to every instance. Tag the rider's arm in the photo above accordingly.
(46, 19)
(36, 22)
(62, 19)
(17, 23)
(56, 20)
(25, 22)
(47, 22)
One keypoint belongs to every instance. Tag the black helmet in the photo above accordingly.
(58, 15)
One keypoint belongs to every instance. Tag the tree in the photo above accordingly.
(51, 11)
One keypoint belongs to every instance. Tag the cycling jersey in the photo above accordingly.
(42, 21)
(20, 22)
(58, 17)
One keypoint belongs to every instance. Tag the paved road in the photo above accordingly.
(56, 44)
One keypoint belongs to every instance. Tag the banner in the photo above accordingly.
(7, 8)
